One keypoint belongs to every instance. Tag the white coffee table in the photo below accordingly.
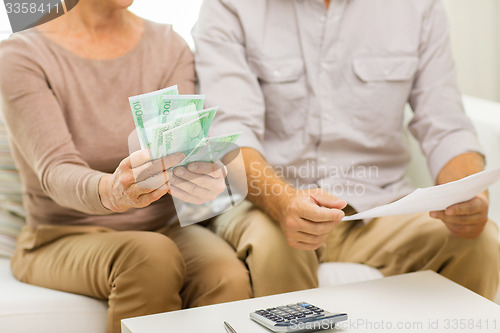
(415, 302)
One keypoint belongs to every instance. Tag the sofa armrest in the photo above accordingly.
(486, 118)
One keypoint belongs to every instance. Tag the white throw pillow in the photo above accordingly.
(12, 213)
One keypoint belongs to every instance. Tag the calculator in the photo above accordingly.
(298, 317)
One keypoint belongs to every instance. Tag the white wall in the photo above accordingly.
(475, 35)
(182, 14)
(5, 29)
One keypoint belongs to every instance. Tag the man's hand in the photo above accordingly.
(466, 219)
(309, 217)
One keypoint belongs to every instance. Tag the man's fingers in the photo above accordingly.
(467, 231)
(316, 228)
(312, 212)
(471, 207)
(305, 241)
(460, 219)
(325, 199)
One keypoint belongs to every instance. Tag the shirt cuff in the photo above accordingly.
(93, 197)
(451, 146)
(251, 141)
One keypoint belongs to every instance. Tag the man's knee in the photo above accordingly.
(485, 249)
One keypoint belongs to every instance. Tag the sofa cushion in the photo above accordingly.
(25, 308)
(334, 273)
(12, 213)
(10, 226)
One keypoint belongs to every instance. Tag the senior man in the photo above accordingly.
(318, 90)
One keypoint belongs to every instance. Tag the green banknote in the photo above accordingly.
(173, 105)
(168, 123)
(145, 110)
(184, 138)
(211, 149)
(156, 132)
(205, 117)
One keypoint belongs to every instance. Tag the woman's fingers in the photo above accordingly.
(136, 159)
(152, 168)
(151, 184)
(216, 185)
(146, 199)
(138, 181)
(196, 197)
(214, 170)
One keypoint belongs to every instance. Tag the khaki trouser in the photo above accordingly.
(394, 245)
(138, 272)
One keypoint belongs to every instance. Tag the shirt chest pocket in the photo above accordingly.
(384, 85)
(385, 69)
(284, 89)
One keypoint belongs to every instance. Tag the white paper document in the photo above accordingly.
(434, 198)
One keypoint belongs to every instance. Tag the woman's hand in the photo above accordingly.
(199, 182)
(137, 182)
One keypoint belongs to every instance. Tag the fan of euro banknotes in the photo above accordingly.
(169, 123)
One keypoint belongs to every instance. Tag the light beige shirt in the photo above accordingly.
(321, 92)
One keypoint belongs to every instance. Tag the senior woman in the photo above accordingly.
(94, 227)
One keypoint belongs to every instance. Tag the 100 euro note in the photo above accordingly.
(184, 138)
(158, 130)
(188, 114)
(211, 149)
(145, 111)
(173, 105)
